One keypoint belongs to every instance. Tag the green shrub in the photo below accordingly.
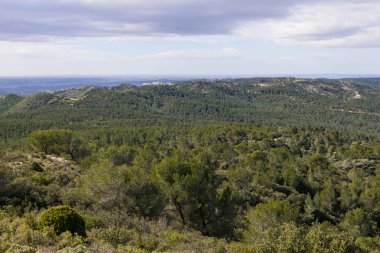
(238, 247)
(63, 218)
(20, 249)
(115, 235)
(369, 244)
(265, 217)
(327, 238)
(77, 249)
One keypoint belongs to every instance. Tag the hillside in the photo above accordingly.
(226, 166)
(348, 105)
(211, 188)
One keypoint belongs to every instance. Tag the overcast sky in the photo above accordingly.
(199, 37)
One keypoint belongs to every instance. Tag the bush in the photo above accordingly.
(327, 238)
(369, 244)
(63, 218)
(20, 249)
(77, 249)
(265, 217)
(238, 247)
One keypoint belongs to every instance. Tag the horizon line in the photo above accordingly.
(299, 75)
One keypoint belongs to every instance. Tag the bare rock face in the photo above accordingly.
(41, 163)
(74, 94)
(368, 166)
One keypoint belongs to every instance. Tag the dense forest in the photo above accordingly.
(241, 165)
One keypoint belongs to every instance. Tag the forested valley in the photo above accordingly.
(229, 166)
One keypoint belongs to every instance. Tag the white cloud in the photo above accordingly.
(225, 53)
(24, 58)
(36, 19)
(23, 51)
(322, 23)
(43, 50)
(326, 24)
(286, 58)
(119, 28)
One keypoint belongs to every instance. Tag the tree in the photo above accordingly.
(172, 175)
(127, 188)
(6, 178)
(105, 185)
(325, 200)
(266, 216)
(351, 193)
(290, 238)
(144, 197)
(358, 223)
(192, 188)
(201, 188)
(325, 238)
(57, 141)
(370, 197)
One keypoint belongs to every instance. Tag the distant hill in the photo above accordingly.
(375, 82)
(346, 104)
(26, 86)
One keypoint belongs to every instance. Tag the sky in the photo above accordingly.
(189, 37)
